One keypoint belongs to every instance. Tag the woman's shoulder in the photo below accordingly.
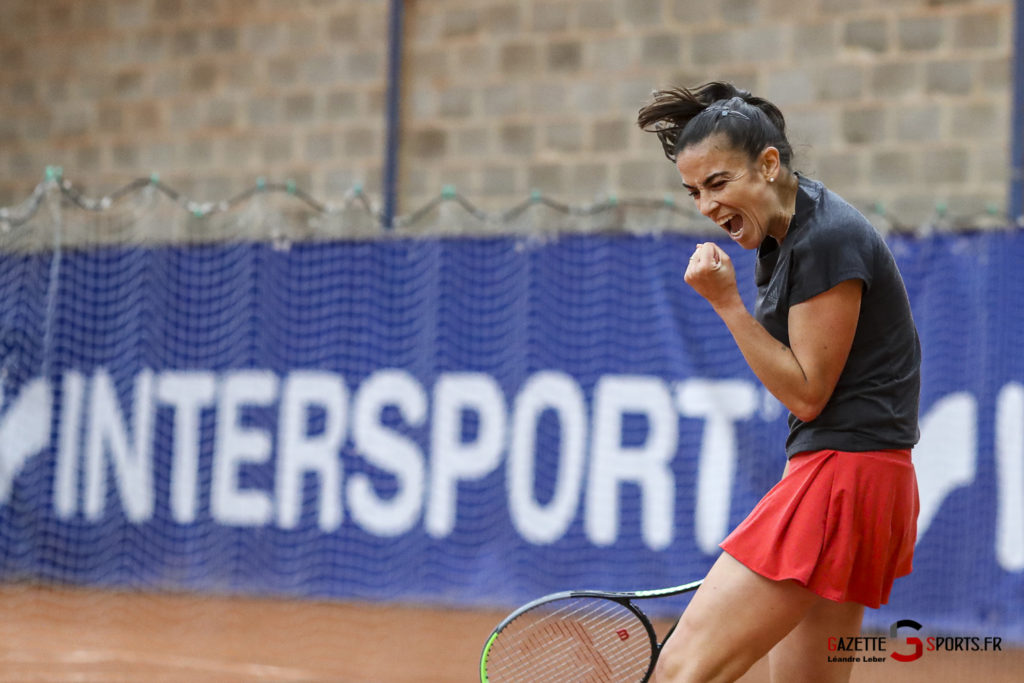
(829, 219)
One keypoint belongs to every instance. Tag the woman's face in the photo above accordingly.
(730, 190)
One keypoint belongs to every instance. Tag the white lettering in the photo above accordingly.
(99, 441)
(556, 391)
(452, 459)
(947, 455)
(24, 431)
(132, 466)
(236, 446)
(1010, 477)
(396, 454)
(721, 403)
(646, 465)
(300, 452)
(188, 393)
(65, 478)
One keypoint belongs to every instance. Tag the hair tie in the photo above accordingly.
(724, 108)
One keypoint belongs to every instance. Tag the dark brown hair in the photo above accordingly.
(681, 117)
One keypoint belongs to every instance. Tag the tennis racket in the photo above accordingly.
(584, 636)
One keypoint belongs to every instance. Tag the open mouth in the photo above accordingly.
(733, 224)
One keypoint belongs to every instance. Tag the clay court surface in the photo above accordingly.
(49, 634)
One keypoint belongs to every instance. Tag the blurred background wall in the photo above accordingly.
(901, 105)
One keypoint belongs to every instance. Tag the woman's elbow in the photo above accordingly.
(806, 410)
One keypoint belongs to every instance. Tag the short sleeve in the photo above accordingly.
(836, 251)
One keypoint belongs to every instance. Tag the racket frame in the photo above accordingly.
(624, 598)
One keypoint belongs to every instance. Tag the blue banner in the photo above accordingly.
(461, 421)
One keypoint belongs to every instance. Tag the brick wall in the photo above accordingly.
(905, 103)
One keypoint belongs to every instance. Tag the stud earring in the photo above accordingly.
(772, 179)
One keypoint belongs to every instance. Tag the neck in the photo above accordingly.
(786, 190)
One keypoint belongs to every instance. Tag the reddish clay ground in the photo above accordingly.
(86, 636)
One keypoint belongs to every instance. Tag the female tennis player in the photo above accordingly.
(832, 337)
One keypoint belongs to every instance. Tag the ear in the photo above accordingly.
(769, 163)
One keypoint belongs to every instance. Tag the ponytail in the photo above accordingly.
(681, 117)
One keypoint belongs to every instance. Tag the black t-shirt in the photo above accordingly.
(875, 403)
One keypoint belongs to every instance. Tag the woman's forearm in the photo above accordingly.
(773, 362)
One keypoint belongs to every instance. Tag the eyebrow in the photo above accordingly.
(707, 180)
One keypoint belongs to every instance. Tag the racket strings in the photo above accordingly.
(586, 640)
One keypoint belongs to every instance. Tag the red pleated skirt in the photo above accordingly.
(842, 524)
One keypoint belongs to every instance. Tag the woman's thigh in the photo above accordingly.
(803, 655)
(733, 620)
